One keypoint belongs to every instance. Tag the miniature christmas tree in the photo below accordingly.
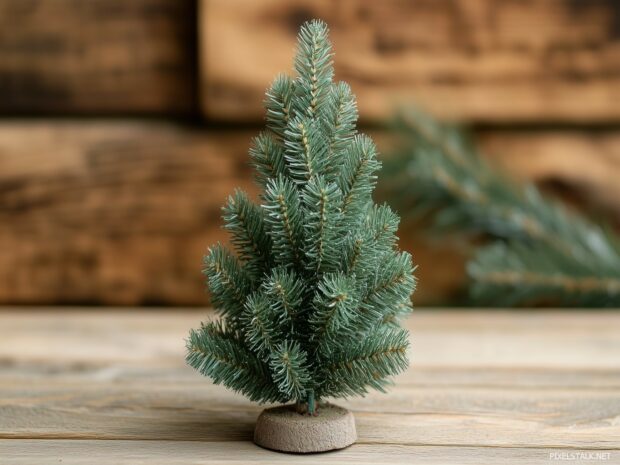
(310, 304)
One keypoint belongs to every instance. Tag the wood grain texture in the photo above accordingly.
(490, 61)
(64, 338)
(116, 212)
(432, 415)
(491, 386)
(98, 56)
(72, 452)
(121, 211)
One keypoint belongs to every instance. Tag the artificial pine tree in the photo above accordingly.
(310, 304)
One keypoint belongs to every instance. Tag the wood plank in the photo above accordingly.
(170, 376)
(116, 212)
(460, 416)
(123, 210)
(484, 61)
(78, 452)
(499, 339)
(99, 56)
(15, 373)
(121, 375)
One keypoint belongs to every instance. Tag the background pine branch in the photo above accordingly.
(540, 252)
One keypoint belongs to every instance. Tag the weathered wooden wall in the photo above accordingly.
(110, 211)
(97, 56)
(118, 210)
(476, 60)
(121, 212)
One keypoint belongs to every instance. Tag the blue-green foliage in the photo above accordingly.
(310, 304)
(290, 370)
(268, 158)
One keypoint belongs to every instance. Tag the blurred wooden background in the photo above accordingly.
(124, 125)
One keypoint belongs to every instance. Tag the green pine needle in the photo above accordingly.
(262, 328)
(368, 363)
(220, 354)
(313, 64)
(336, 310)
(322, 207)
(268, 158)
(278, 105)
(245, 222)
(357, 179)
(289, 367)
(284, 217)
(285, 291)
(229, 282)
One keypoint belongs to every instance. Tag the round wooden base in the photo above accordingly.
(285, 430)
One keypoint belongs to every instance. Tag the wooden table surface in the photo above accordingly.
(101, 386)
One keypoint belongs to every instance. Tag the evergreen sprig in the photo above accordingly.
(310, 304)
(541, 253)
